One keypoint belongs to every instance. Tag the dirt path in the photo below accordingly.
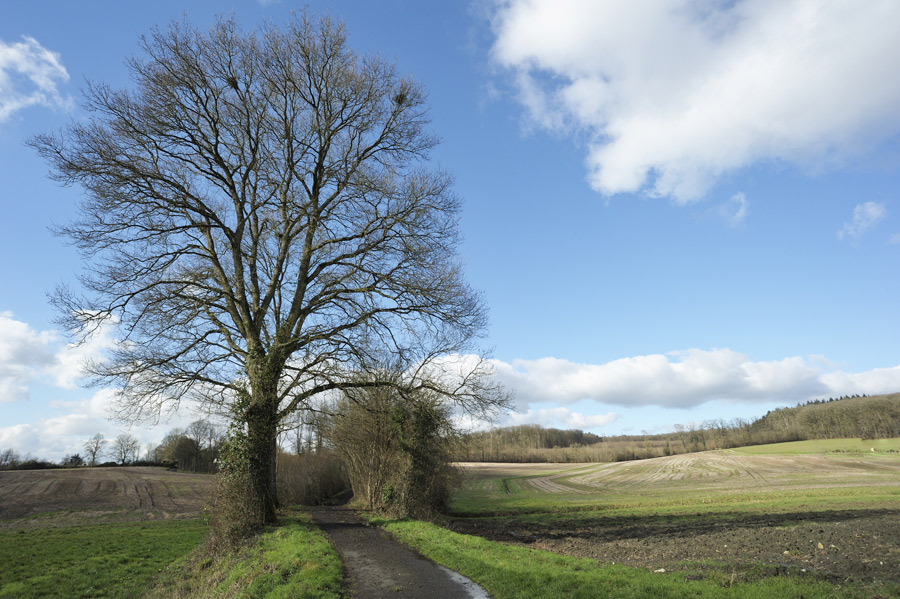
(377, 566)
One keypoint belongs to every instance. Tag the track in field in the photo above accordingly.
(135, 491)
(720, 471)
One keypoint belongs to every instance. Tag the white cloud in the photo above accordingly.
(735, 210)
(674, 94)
(28, 356)
(865, 216)
(64, 433)
(685, 379)
(70, 360)
(66, 425)
(549, 391)
(29, 75)
(24, 354)
(562, 418)
(871, 382)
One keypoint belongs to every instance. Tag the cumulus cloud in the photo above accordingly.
(29, 76)
(865, 216)
(65, 430)
(562, 418)
(67, 424)
(28, 356)
(674, 94)
(871, 382)
(24, 355)
(685, 379)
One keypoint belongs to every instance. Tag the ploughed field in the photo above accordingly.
(91, 494)
(829, 509)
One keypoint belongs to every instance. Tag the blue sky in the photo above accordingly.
(676, 211)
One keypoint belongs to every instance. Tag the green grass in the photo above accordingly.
(819, 446)
(293, 559)
(511, 572)
(537, 508)
(107, 560)
(707, 488)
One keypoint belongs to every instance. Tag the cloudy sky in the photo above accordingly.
(677, 210)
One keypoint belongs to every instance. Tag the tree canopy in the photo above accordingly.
(261, 220)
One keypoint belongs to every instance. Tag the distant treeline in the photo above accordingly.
(865, 417)
(194, 449)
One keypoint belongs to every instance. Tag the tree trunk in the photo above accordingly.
(262, 433)
(262, 436)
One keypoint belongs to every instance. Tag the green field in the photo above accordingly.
(138, 532)
(123, 560)
(832, 474)
(875, 447)
(810, 519)
(106, 560)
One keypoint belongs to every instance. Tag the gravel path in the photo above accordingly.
(377, 566)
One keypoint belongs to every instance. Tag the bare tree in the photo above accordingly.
(397, 450)
(261, 220)
(365, 436)
(125, 449)
(203, 432)
(9, 458)
(93, 447)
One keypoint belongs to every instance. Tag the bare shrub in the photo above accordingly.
(311, 478)
(397, 450)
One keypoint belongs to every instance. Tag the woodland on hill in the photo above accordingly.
(864, 417)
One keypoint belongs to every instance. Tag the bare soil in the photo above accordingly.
(67, 496)
(836, 545)
(862, 543)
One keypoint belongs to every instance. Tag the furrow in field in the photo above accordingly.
(716, 471)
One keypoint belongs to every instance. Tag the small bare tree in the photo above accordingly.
(203, 432)
(9, 458)
(365, 436)
(125, 449)
(397, 448)
(261, 220)
(93, 447)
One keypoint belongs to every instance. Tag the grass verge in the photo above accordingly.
(512, 572)
(106, 560)
(293, 559)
